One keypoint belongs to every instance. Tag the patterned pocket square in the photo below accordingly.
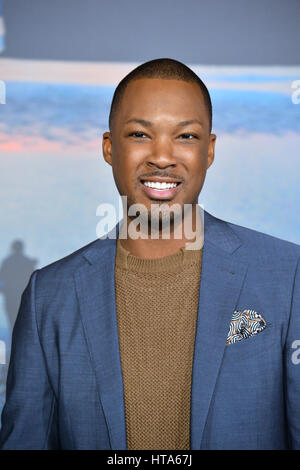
(244, 324)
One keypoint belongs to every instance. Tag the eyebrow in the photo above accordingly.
(150, 124)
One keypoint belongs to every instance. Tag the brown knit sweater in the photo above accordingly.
(157, 302)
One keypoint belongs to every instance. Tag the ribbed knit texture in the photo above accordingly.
(157, 303)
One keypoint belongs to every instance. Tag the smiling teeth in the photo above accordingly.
(160, 186)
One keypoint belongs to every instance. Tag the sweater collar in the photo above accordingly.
(190, 254)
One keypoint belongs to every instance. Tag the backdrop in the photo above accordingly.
(59, 65)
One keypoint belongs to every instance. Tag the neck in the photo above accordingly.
(146, 246)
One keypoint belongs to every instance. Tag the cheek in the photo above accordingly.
(129, 159)
(196, 174)
(124, 176)
(196, 164)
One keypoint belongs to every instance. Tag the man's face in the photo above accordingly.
(151, 142)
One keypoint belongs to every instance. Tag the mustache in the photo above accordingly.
(161, 174)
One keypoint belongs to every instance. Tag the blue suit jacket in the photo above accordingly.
(64, 385)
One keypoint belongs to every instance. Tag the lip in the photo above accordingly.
(161, 193)
(160, 179)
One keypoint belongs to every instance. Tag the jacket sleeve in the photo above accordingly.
(292, 367)
(28, 419)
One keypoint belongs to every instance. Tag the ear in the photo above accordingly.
(211, 149)
(107, 147)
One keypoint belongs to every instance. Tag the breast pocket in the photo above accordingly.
(256, 345)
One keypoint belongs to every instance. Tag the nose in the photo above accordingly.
(162, 154)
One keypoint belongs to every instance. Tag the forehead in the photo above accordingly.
(152, 97)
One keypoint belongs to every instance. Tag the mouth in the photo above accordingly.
(162, 189)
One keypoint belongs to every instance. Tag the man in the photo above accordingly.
(152, 342)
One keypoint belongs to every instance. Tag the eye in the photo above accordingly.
(137, 134)
(189, 135)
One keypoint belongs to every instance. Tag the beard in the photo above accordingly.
(159, 218)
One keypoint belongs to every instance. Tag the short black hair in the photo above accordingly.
(169, 69)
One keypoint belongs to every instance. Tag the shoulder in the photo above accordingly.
(255, 245)
(266, 243)
(63, 269)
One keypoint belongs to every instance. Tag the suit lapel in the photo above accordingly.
(95, 286)
(221, 282)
